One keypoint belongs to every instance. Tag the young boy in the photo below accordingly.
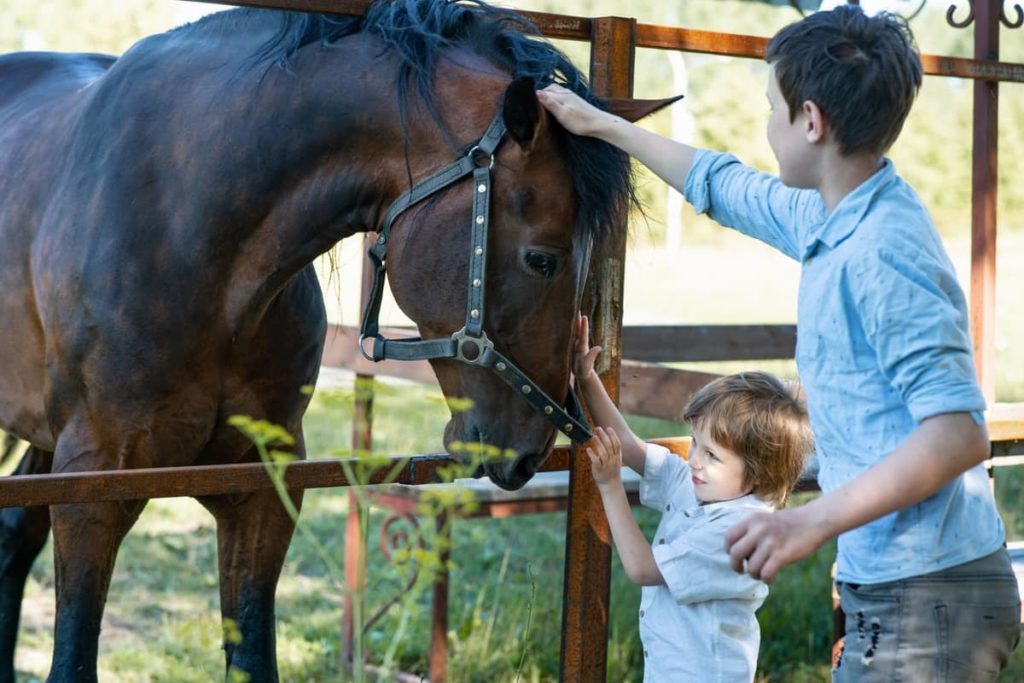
(750, 438)
(883, 352)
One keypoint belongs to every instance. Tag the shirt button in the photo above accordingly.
(661, 541)
(645, 653)
(668, 507)
(641, 612)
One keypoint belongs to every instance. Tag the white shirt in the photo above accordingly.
(699, 626)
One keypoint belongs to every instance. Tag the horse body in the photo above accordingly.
(160, 215)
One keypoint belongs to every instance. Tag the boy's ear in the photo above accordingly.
(815, 123)
(633, 110)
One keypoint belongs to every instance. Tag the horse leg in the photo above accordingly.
(23, 533)
(86, 538)
(252, 540)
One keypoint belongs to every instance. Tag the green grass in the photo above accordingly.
(505, 599)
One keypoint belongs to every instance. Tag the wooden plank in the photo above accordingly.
(679, 343)
(657, 391)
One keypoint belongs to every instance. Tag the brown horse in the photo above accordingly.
(160, 213)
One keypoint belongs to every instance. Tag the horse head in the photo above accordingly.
(492, 269)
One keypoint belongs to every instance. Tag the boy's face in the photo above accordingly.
(788, 140)
(717, 471)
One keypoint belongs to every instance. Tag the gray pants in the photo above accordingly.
(959, 625)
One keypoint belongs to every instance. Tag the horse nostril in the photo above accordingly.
(525, 469)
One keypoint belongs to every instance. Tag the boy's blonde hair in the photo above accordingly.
(763, 421)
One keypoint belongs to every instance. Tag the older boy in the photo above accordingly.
(883, 353)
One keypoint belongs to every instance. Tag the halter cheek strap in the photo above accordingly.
(469, 344)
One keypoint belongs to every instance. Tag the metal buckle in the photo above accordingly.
(469, 349)
(362, 350)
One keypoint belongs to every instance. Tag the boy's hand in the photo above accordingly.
(765, 543)
(583, 363)
(605, 453)
(574, 113)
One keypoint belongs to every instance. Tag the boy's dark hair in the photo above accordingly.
(764, 422)
(863, 73)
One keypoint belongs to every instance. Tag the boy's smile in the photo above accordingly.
(717, 472)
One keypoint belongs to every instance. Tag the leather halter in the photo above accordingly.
(469, 344)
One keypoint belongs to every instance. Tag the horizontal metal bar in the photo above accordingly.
(665, 38)
(211, 480)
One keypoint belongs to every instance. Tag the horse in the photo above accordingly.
(161, 214)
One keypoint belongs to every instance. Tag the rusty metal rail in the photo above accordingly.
(568, 27)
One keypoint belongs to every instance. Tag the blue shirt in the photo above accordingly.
(882, 344)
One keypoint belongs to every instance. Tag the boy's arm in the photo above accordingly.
(631, 544)
(939, 450)
(605, 413)
(757, 204)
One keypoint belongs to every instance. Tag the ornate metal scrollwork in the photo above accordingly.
(393, 537)
(1004, 15)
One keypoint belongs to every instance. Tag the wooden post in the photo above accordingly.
(983, 199)
(588, 549)
(362, 442)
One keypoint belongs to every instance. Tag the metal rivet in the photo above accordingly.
(500, 366)
(548, 410)
(568, 427)
(476, 282)
(481, 188)
(479, 220)
(474, 314)
(526, 389)
(478, 251)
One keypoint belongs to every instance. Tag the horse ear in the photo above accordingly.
(521, 111)
(634, 110)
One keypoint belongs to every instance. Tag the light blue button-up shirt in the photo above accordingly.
(882, 343)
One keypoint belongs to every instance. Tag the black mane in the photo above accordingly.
(420, 31)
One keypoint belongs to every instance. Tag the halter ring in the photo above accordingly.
(479, 156)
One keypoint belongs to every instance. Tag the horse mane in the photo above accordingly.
(420, 31)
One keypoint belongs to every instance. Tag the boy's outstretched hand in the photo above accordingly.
(583, 362)
(605, 453)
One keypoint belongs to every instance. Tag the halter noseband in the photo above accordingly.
(469, 344)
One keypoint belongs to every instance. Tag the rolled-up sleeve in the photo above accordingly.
(754, 203)
(664, 471)
(919, 333)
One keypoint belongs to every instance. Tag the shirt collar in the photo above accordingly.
(747, 501)
(845, 217)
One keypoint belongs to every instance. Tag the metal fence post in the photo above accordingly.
(588, 551)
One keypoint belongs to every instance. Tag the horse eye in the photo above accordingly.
(541, 263)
